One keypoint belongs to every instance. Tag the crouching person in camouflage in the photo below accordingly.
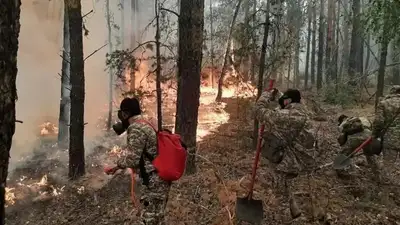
(386, 125)
(287, 141)
(353, 132)
(142, 146)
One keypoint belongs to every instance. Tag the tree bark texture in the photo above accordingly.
(356, 44)
(396, 68)
(306, 75)
(65, 104)
(9, 33)
(313, 41)
(262, 68)
(76, 145)
(320, 45)
(191, 24)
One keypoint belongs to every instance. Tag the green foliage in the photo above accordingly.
(383, 14)
(119, 60)
(344, 96)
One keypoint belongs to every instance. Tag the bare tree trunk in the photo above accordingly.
(309, 12)
(65, 104)
(227, 53)
(191, 24)
(356, 41)
(314, 40)
(346, 37)
(396, 68)
(76, 131)
(9, 33)
(382, 63)
(134, 40)
(110, 71)
(329, 42)
(158, 69)
(289, 70)
(212, 45)
(320, 45)
(336, 28)
(262, 68)
(122, 6)
(254, 44)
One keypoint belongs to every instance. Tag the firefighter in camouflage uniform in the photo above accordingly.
(386, 126)
(287, 141)
(142, 146)
(353, 132)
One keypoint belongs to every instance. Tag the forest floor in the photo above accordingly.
(40, 194)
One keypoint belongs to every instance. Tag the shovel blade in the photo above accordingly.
(341, 161)
(249, 210)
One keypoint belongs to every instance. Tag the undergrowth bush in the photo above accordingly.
(343, 95)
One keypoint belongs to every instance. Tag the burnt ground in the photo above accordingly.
(208, 197)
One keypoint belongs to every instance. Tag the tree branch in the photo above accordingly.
(95, 51)
(87, 14)
(168, 10)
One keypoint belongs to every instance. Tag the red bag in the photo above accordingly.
(170, 162)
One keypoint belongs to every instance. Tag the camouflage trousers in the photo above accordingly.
(153, 199)
(390, 155)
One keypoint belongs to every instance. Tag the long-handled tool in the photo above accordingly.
(342, 161)
(133, 182)
(247, 208)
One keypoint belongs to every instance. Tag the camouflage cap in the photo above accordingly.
(395, 89)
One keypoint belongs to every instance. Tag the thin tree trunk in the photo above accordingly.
(227, 53)
(346, 37)
(336, 28)
(329, 42)
(212, 45)
(110, 71)
(254, 44)
(134, 40)
(158, 69)
(65, 107)
(382, 63)
(308, 44)
(355, 43)
(396, 69)
(313, 41)
(191, 25)
(76, 131)
(122, 4)
(262, 68)
(320, 45)
(289, 70)
(9, 33)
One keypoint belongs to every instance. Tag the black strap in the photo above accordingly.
(142, 169)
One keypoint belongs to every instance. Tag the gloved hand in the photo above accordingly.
(111, 170)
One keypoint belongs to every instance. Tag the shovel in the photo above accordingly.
(248, 209)
(342, 161)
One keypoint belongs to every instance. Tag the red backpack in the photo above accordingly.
(170, 162)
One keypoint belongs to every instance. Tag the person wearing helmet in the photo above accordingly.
(287, 141)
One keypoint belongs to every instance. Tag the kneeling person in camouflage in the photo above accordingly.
(354, 131)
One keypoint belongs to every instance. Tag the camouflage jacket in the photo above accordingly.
(354, 131)
(387, 123)
(292, 127)
(141, 138)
